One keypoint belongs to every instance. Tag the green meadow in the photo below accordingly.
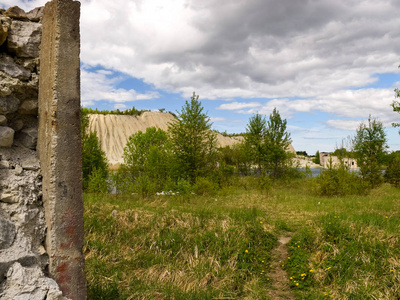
(223, 245)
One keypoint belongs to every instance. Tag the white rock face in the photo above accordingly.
(29, 283)
(35, 14)
(114, 130)
(24, 38)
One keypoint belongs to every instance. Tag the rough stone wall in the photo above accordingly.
(24, 254)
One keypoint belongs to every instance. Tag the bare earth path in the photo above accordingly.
(280, 282)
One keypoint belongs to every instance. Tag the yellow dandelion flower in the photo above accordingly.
(297, 284)
(247, 251)
(262, 261)
(311, 271)
(291, 278)
(387, 217)
(260, 222)
(288, 257)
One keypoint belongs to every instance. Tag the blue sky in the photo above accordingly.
(325, 65)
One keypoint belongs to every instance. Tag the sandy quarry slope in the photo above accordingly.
(114, 131)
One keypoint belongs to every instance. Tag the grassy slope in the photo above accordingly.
(219, 247)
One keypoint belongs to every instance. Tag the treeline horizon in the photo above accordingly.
(186, 158)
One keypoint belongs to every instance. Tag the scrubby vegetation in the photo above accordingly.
(127, 112)
(190, 221)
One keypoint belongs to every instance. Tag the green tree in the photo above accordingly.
(277, 141)
(267, 143)
(193, 142)
(255, 141)
(93, 158)
(147, 158)
(370, 146)
(317, 159)
(392, 174)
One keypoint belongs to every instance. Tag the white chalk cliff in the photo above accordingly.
(114, 131)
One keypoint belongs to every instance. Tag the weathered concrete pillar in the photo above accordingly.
(59, 145)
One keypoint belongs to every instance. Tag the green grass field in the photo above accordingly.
(221, 246)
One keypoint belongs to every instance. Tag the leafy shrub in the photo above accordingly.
(123, 180)
(392, 174)
(341, 181)
(144, 186)
(204, 186)
(264, 183)
(183, 186)
(147, 158)
(97, 182)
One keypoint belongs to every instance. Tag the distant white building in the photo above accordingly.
(326, 158)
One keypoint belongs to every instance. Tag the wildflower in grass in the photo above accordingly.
(291, 278)
(262, 261)
(387, 217)
(288, 257)
(247, 251)
(260, 222)
(311, 271)
(297, 284)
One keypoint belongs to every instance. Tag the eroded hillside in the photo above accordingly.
(114, 131)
